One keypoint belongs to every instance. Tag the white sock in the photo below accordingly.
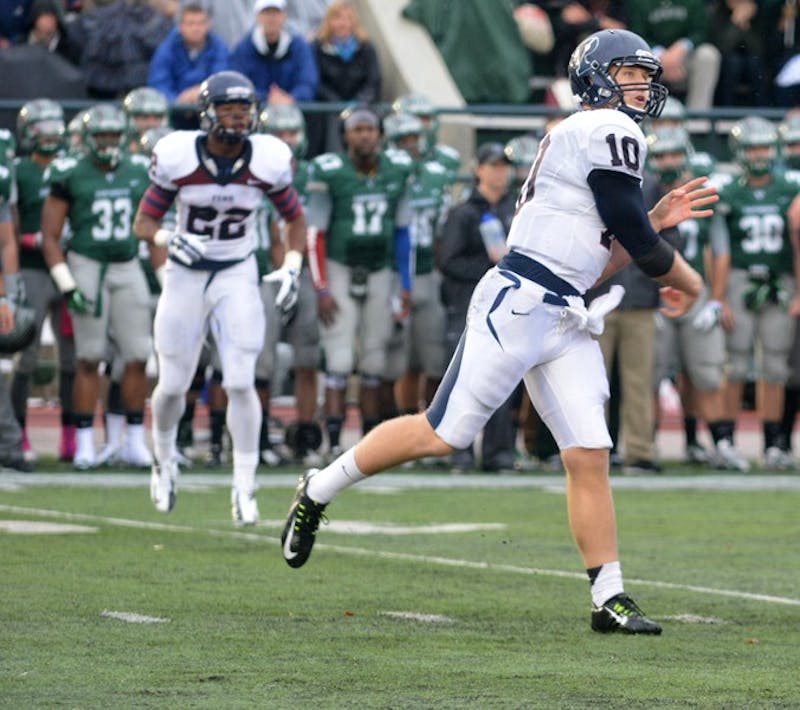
(338, 475)
(608, 583)
(136, 435)
(164, 443)
(85, 441)
(244, 471)
(115, 423)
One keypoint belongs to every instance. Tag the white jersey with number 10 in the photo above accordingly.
(557, 222)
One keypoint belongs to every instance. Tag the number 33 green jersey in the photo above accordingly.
(101, 204)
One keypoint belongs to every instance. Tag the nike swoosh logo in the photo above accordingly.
(254, 182)
(288, 554)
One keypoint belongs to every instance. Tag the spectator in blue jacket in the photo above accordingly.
(190, 53)
(281, 65)
(13, 21)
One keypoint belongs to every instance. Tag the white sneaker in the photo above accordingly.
(137, 455)
(313, 459)
(109, 454)
(163, 489)
(84, 459)
(270, 458)
(777, 459)
(696, 453)
(244, 508)
(727, 457)
(184, 458)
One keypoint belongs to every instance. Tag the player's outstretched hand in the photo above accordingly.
(675, 303)
(689, 201)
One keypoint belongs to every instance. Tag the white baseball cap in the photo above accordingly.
(269, 4)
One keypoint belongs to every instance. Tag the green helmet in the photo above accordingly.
(420, 106)
(75, 134)
(40, 126)
(668, 140)
(145, 103)
(521, 151)
(673, 111)
(277, 119)
(151, 136)
(789, 133)
(106, 120)
(397, 126)
(752, 132)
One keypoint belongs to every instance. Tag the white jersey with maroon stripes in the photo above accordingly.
(223, 210)
(557, 222)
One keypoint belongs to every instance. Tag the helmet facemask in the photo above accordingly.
(231, 135)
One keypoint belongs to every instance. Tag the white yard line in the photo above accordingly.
(401, 556)
(133, 618)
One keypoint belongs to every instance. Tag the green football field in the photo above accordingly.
(424, 591)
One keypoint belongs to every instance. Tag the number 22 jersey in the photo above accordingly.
(222, 208)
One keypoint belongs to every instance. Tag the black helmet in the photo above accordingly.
(226, 87)
(23, 332)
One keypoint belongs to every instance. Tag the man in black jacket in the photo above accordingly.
(470, 245)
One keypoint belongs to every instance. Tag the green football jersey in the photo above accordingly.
(757, 224)
(363, 208)
(448, 156)
(101, 204)
(695, 234)
(8, 148)
(429, 198)
(31, 194)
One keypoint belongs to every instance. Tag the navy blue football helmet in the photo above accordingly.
(226, 87)
(590, 72)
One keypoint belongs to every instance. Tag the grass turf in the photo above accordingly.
(244, 630)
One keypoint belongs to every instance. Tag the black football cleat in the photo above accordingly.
(620, 613)
(301, 526)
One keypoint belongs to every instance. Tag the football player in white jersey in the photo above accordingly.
(580, 216)
(217, 177)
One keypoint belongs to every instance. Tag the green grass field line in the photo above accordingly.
(355, 627)
(399, 556)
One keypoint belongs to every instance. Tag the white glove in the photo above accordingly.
(288, 277)
(708, 316)
(186, 247)
(593, 318)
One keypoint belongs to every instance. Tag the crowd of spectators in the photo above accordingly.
(714, 52)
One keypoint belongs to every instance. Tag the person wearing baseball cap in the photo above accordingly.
(280, 64)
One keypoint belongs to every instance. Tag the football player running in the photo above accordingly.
(217, 176)
(580, 217)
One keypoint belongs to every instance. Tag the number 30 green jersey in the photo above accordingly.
(757, 224)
